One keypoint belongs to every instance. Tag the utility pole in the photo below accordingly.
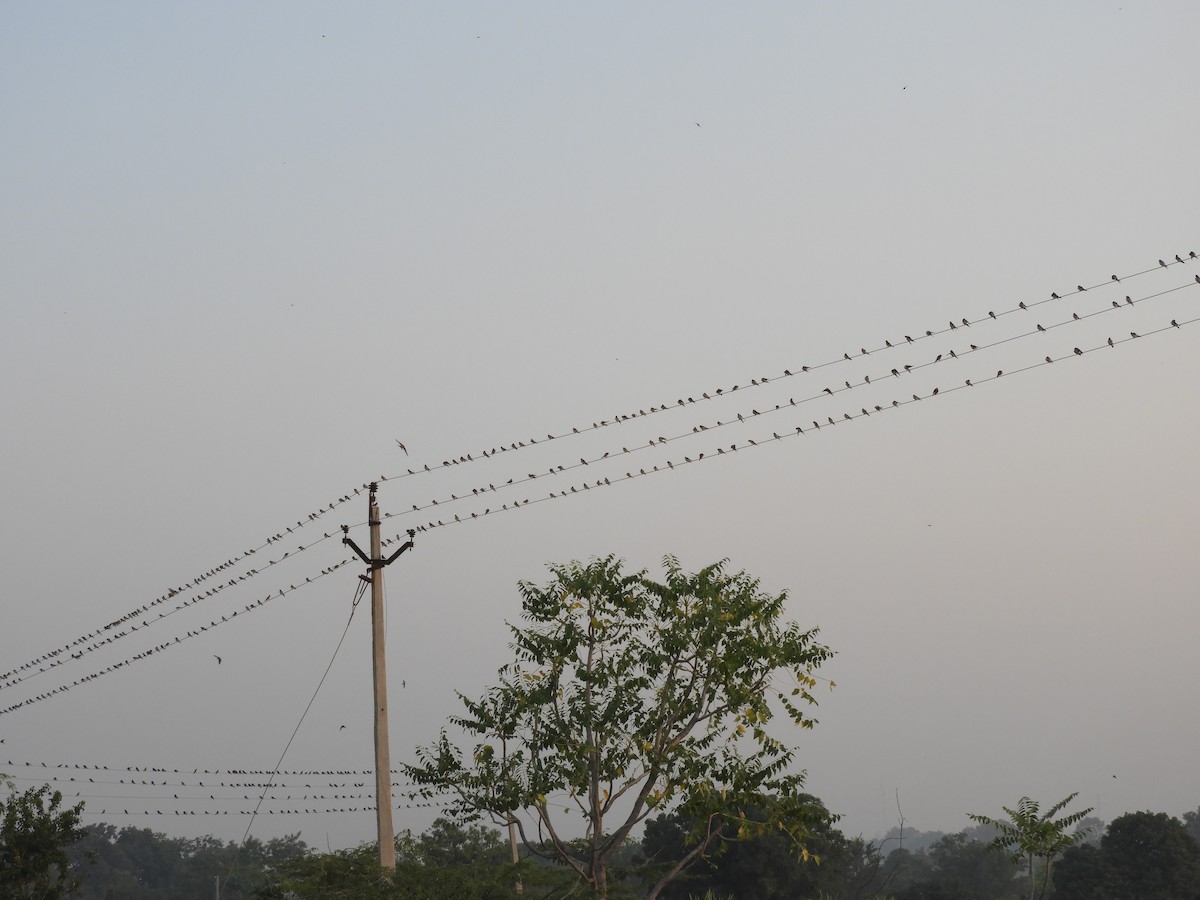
(383, 758)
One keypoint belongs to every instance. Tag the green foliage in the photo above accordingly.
(1032, 835)
(766, 867)
(1150, 856)
(140, 864)
(629, 696)
(35, 832)
(1142, 856)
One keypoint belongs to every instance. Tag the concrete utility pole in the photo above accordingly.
(383, 757)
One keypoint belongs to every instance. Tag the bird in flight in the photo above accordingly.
(217, 658)
(402, 447)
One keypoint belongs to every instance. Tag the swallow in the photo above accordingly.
(1161, 263)
(992, 314)
(1080, 287)
(907, 338)
(1115, 278)
(828, 391)
(1040, 328)
(217, 658)
(934, 394)
(1110, 342)
(1128, 301)
(1134, 334)
(1173, 322)
(1116, 305)
(1078, 352)
(1075, 316)
(1054, 296)
(402, 447)
(1022, 305)
(1049, 360)
(1178, 259)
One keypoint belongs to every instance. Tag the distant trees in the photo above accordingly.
(630, 696)
(35, 832)
(1142, 856)
(141, 864)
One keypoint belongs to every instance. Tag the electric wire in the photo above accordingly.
(760, 381)
(159, 648)
(358, 594)
(55, 656)
(746, 415)
(793, 430)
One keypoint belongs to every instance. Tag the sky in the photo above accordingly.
(244, 249)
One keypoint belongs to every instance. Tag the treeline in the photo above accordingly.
(1152, 856)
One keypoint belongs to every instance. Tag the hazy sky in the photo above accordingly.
(246, 247)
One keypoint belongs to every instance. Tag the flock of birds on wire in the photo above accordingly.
(184, 596)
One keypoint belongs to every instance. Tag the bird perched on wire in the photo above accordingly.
(402, 447)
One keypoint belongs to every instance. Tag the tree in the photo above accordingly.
(629, 696)
(34, 835)
(764, 867)
(1191, 821)
(1082, 874)
(1033, 836)
(1151, 856)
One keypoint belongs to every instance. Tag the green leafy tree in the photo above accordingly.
(1082, 874)
(629, 696)
(1033, 836)
(1150, 856)
(35, 832)
(764, 867)
(1191, 821)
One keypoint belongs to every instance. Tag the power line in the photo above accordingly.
(741, 417)
(788, 432)
(755, 382)
(55, 656)
(358, 594)
(159, 648)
